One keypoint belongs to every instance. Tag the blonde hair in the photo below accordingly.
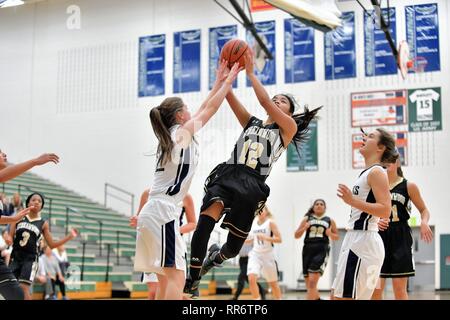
(269, 213)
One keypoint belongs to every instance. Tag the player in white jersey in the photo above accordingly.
(191, 221)
(236, 188)
(159, 245)
(362, 251)
(261, 259)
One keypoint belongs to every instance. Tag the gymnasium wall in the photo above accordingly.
(74, 92)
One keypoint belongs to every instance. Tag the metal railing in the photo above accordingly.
(100, 225)
(106, 194)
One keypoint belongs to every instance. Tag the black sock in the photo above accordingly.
(230, 249)
(199, 244)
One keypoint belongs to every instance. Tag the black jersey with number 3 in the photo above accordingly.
(317, 229)
(401, 204)
(27, 236)
(259, 147)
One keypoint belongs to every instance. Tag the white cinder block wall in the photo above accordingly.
(74, 92)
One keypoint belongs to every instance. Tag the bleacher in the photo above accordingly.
(100, 278)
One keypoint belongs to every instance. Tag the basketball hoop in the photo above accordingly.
(418, 64)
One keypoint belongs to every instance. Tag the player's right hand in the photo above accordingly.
(46, 157)
(133, 221)
(383, 224)
(22, 213)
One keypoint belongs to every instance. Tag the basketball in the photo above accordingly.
(233, 51)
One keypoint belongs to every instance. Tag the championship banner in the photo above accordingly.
(340, 50)
(152, 50)
(422, 34)
(378, 57)
(266, 30)
(299, 61)
(217, 39)
(186, 61)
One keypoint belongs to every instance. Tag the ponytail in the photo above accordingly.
(162, 119)
(302, 120)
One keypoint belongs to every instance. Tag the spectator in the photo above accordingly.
(43, 279)
(54, 273)
(61, 255)
(16, 205)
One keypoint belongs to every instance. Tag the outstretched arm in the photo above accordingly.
(221, 75)
(51, 242)
(185, 133)
(239, 110)
(425, 231)
(15, 218)
(15, 170)
(287, 125)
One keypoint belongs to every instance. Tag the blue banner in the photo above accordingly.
(186, 61)
(422, 34)
(379, 59)
(217, 39)
(152, 50)
(340, 52)
(299, 59)
(266, 30)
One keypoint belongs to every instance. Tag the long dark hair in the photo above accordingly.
(302, 120)
(162, 118)
(311, 209)
(390, 154)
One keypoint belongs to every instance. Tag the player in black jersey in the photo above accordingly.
(9, 287)
(237, 187)
(396, 234)
(319, 230)
(26, 235)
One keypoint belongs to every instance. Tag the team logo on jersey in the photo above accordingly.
(260, 207)
(356, 190)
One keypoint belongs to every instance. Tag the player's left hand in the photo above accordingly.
(425, 232)
(345, 194)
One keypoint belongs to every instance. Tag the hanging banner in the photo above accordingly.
(425, 112)
(380, 108)
(299, 62)
(422, 34)
(152, 51)
(217, 39)
(266, 31)
(340, 51)
(308, 151)
(379, 59)
(401, 142)
(186, 61)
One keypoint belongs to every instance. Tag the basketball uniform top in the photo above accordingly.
(174, 177)
(401, 203)
(316, 231)
(261, 246)
(258, 147)
(27, 237)
(360, 220)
